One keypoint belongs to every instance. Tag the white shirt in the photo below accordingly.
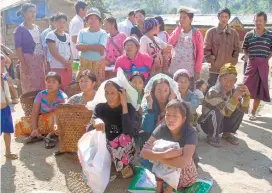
(75, 26)
(148, 46)
(63, 49)
(162, 36)
(125, 27)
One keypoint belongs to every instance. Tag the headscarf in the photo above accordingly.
(228, 69)
(172, 83)
(149, 24)
(121, 80)
(132, 39)
(181, 72)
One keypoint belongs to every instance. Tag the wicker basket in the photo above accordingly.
(72, 89)
(72, 121)
(27, 101)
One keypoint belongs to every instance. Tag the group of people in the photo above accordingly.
(164, 70)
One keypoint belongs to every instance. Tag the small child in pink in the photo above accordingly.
(133, 60)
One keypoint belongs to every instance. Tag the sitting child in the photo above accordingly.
(200, 89)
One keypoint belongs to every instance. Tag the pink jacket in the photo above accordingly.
(198, 45)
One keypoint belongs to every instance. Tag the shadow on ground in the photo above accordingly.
(242, 157)
(9, 170)
(36, 160)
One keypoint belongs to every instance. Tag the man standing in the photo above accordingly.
(221, 46)
(76, 25)
(258, 48)
(45, 48)
(126, 25)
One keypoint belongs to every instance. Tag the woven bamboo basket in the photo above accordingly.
(72, 89)
(72, 121)
(27, 101)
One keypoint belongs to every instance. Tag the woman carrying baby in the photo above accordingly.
(175, 129)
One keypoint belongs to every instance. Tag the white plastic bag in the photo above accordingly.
(96, 165)
(169, 174)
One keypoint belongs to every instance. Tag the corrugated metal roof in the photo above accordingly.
(211, 19)
(7, 4)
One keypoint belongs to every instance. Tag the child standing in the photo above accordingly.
(6, 118)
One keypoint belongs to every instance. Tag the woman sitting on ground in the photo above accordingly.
(175, 129)
(116, 118)
(87, 82)
(43, 114)
(133, 61)
(182, 77)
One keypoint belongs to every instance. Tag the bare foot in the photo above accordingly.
(168, 189)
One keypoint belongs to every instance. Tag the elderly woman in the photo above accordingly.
(188, 45)
(91, 42)
(43, 113)
(87, 82)
(223, 107)
(154, 46)
(29, 51)
(116, 118)
(182, 77)
(133, 60)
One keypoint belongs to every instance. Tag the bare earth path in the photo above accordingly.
(241, 169)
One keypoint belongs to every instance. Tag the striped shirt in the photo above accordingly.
(44, 106)
(258, 46)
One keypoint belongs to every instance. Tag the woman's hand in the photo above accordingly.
(172, 153)
(149, 98)
(123, 97)
(197, 76)
(172, 95)
(35, 133)
(99, 125)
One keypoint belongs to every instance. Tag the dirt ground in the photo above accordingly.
(234, 169)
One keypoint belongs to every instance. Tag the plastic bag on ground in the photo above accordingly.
(96, 165)
(144, 182)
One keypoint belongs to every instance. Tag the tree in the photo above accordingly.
(210, 6)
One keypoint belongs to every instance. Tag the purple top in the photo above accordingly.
(24, 40)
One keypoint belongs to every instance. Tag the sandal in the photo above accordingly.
(57, 153)
(31, 139)
(49, 142)
(127, 172)
(215, 142)
(11, 156)
(252, 117)
(231, 139)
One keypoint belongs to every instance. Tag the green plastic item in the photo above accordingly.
(144, 182)
(75, 65)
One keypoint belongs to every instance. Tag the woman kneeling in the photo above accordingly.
(176, 129)
(116, 118)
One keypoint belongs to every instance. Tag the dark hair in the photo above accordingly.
(24, 9)
(183, 74)
(60, 16)
(199, 83)
(112, 20)
(52, 18)
(223, 10)
(140, 11)
(161, 22)
(53, 75)
(182, 107)
(131, 13)
(88, 73)
(134, 74)
(80, 5)
(113, 84)
(261, 13)
(155, 84)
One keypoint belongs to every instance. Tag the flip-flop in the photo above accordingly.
(231, 139)
(213, 141)
(11, 156)
(31, 139)
(58, 153)
(49, 142)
